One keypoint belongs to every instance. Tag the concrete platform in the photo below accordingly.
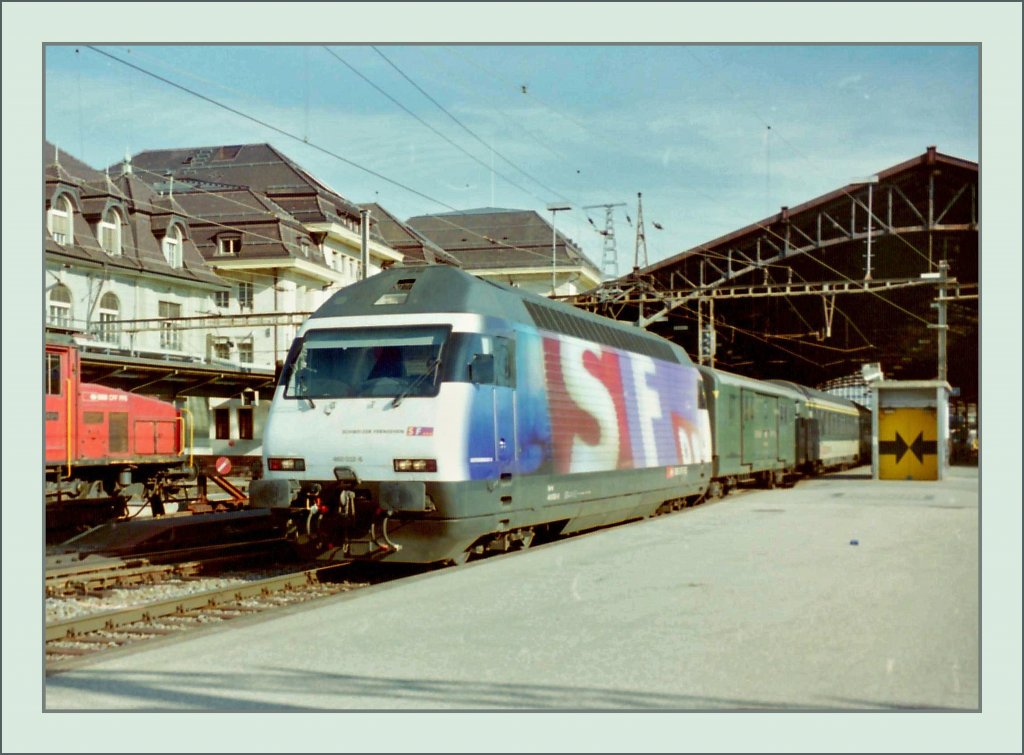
(753, 625)
(839, 594)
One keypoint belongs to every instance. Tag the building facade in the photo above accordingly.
(282, 240)
(116, 251)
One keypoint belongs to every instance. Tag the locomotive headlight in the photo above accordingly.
(286, 465)
(415, 465)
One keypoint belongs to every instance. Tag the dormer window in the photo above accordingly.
(109, 232)
(59, 220)
(304, 246)
(172, 246)
(229, 245)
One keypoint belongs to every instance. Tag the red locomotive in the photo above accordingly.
(105, 445)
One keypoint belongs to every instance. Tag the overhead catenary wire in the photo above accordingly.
(466, 128)
(354, 164)
(766, 339)
(457, 73)
(436, 131)
(290, 135)
(271, 127)
(767, 229)
(763, 227)
(534, 98)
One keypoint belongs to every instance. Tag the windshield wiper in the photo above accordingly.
(432, 366)
(301, 381)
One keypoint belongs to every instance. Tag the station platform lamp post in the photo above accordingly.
(555, 208)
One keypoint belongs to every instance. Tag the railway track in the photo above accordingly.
(70, 641)
(98, 576)
(75, 641)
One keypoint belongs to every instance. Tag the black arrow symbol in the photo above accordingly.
(899, 447)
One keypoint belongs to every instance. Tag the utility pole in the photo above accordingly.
(555, 208)
(943, 271)
(610, 255)
(941, 279)
(706, 332)
(641, 239)
(364, 244)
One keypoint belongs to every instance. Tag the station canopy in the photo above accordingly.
(817, 291)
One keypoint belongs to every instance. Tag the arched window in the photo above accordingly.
(59, 310)
(109, 312)
(109, 232)
(59, 220)
(172, 246)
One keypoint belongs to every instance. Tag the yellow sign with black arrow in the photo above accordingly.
(907, 448)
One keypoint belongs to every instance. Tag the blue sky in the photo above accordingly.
(686, 125)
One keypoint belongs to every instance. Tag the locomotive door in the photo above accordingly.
(505, 440)
(56, 406)
(493, 452)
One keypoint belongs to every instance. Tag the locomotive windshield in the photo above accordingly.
(365, 362)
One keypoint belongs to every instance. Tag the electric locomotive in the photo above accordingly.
(103, 445)
(424, 415)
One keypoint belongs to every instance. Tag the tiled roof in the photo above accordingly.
(145, 213)
(74, 168)
(490, 237)
(265, 229)
(257, 166)
(410, 242)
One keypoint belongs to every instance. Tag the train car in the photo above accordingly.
(753, 430)
(828, 430)
(100, 442)
(424, 415)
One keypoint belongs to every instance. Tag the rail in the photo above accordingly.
(180, 605)
(96, 577)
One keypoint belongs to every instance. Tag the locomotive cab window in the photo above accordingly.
(482, 359)
(366, 363)
(54, 375)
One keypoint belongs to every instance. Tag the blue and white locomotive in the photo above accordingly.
(423, 415)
